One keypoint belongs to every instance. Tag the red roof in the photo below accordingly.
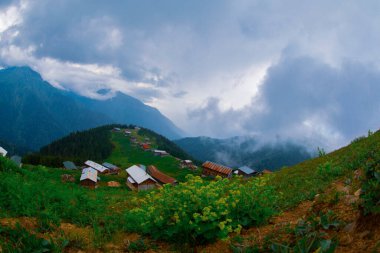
(217, 167)
(159, 176)
(145, 146)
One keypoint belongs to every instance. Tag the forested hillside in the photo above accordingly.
(95, 144)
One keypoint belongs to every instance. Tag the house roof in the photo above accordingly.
(188, 161)
(110, 166)
(138, 175)
(96, 166)
(16, 159)
(3, 151)
(217, 167)
(160, 152)
(131, 180)
(142, 166)
(89, 173)
(145, 145)
(159, 176)
(247, 170)
(69, 165)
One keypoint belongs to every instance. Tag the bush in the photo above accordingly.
(198, 211)
(327, 170)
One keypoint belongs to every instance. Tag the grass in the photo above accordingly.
(37, 191)
(126, 154)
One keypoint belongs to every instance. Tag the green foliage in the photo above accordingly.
(198, 211)
(327, 170)
(321, 152)
(47, 222)
(91, 144)
(309, 236)
(371, 184)
(137, 246)
(358, 139)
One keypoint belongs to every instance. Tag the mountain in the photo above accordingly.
(33, 113)
(124, 109)
(239, 151)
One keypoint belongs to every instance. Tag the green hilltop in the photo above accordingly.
(102, 144)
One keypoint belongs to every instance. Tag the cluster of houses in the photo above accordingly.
(139, 178)
(145, 178)
(211, 169)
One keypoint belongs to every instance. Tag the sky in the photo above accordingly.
(302, 70)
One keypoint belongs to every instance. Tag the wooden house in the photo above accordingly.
(3, 152)
(245, 171)
(159, 176)
(116, 129)
(127, 132)
(187, 164)
(69, 165)
(161, 153)
(139, 180)
(89, 177)
(214, 169)
(266, 171)
(112, 168)
(100, 168)
(17, 160)
(145, 146)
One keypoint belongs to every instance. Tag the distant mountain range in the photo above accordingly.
(33, 113)
(239, 151)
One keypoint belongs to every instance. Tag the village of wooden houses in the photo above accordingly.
(140, 176)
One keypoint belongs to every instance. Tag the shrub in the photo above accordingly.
(198, 211)
(310, 236)
(327, 170)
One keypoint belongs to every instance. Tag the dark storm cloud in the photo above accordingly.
(303, 98)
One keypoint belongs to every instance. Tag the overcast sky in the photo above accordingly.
(294, 69)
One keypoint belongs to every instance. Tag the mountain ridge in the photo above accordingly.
(39, 113)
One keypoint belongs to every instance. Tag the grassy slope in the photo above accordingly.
(303, 181)
(125, 154)
(34, 190)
